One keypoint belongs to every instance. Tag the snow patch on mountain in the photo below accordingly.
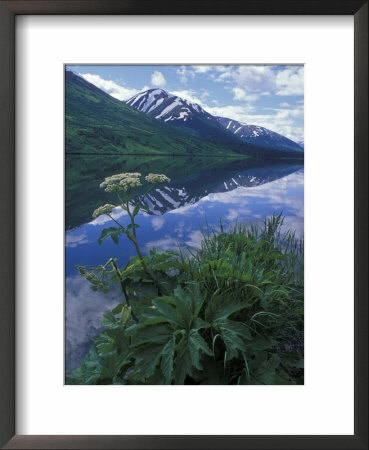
(259, 135)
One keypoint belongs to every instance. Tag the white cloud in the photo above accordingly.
(185, 74)
(233, 112)
(190, 95)
(247, 84)
(264, 80)
(165, 244)
(84, 311)
(72, 240)
(281, 121)
(290, 81)
(201, 69)
(225, 76)
(158, 79)
(255, 78)
(297, 112)
(157, 223)
(112, 88)
(212, 70)
(236, 213)
(194, 239)
(240, 94)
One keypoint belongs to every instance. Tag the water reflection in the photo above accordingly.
(177, 214)
(192, 178)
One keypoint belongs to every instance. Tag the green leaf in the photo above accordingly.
(189, 352)
(130, 235)
(293, 359)
(118, 308)
(156, 334)
(263, 368)
(151, 321)
(195, 344)
(260, 343)
(132, 225)
(220, 308)
(109, 320)
(234, 335)
(167, 306)
(167, 361)
(113, 232)
(125, 315)
(135, 211)
(147, 358)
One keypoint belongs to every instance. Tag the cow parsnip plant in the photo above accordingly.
(229, 313)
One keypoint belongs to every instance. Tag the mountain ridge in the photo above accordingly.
(177, 111)
(258, 135)
(182, 113)
(96, 122)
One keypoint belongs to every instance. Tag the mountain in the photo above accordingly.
(181, 113)
(301, 144)
(261, 136)
(192, 178)
(189, 190)
(96, 123)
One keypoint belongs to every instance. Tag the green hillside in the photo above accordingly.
(95, 122)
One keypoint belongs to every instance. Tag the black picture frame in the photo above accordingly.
(8, 11)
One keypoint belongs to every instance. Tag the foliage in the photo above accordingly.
(95, 122)
(229, 313)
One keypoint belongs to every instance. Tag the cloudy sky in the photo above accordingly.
(269, 96)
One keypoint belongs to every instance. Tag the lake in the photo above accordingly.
(202, 190)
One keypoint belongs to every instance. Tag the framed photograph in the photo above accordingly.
(186, 182)
(185, 261)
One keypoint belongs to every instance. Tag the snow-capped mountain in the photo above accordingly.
(259, 135)
(164, 106)
(189, 191)
(180, 112)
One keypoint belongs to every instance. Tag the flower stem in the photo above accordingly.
(125, 293)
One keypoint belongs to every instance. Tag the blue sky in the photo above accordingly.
(269, 96)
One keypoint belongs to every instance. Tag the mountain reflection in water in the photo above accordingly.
(201, 191)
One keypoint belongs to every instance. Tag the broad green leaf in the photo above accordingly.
(184, 304)
(167, 361)
(156, 334)
(292, 359)
(234, 335)
(147, 358)
(165, 305)
(195, 344)
(220, 308)
(260, 343)
(113, 232)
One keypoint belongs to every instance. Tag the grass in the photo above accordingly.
(98, 123)
(229, 313)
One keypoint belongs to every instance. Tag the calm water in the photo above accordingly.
(200, 193)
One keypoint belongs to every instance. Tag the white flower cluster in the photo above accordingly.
(106, 209)
(121, 182)
(157, 178)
